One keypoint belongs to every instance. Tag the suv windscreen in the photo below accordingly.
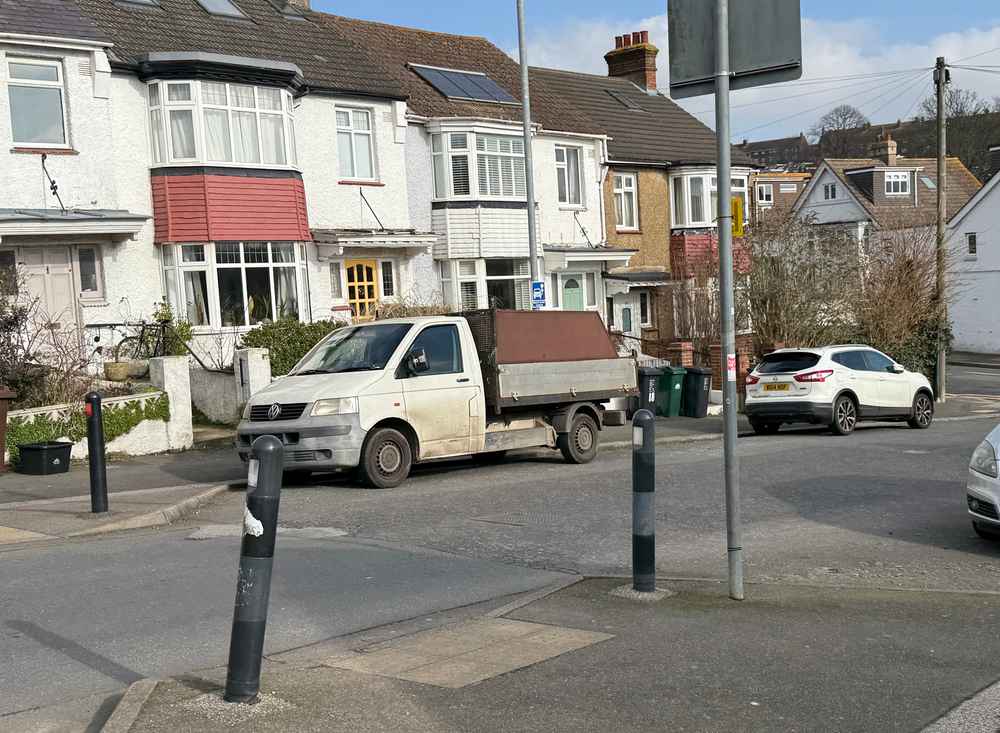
(354, 349)
(787, 362)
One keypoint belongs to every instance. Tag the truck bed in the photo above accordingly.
(548, 357)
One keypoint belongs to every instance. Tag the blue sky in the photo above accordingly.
(841, 37)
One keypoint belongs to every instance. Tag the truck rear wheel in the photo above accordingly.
(579, 445)
(386, 459)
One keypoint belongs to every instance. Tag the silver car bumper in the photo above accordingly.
(983, 498)
(310, 442)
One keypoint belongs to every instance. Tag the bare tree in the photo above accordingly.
(833, 130)
(957, 103)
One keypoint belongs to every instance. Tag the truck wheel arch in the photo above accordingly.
(405, 428)
(564, 418)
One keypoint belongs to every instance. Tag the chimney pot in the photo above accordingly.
(636, 38)
(626, 40)
(644, 36)
(618, 42)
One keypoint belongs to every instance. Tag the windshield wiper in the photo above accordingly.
(307, 372)
(368, 368)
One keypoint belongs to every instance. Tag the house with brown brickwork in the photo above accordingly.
(659, 188)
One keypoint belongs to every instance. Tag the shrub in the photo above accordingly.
(288, 341)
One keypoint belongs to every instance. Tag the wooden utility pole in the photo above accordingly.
(941, 79)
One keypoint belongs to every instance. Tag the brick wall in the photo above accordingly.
(744, 357)
(653, 238)
(695, 252)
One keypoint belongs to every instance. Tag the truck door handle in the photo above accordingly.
(463, 380)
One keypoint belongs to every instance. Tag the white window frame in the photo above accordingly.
(447, 151)
(355, 133)
(462, 279)
(562, 170)
(788, 188)
(765, 195)
(523, 277)
(897, 183)
(626, 186)
(485, 155)
(393, 271)
(648, 321)
(211, 267)
(739, 186)
(161, 149)
(830, 191)
(60, 84)
(98, 295)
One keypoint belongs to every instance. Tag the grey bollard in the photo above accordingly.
(253, 587)
(643, 513)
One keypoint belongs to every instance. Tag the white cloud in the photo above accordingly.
(830, 49)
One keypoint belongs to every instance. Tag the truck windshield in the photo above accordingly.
(354, 349)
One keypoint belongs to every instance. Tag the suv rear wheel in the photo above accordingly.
(845, 416)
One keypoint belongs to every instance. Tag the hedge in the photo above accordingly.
(288, 341)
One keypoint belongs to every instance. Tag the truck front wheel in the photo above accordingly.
(579, 445)
(386, 459)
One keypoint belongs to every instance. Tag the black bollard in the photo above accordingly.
(643, 515)
(95, 454)
(253, 587)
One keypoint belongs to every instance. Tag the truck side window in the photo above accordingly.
(444, 352)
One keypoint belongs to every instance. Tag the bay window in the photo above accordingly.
(626, 210)
(220, 123)
(355, 149)
(232, 284)
(568, 176)
(37, 109)
(451, 165)
(695, 198)
(498, 162)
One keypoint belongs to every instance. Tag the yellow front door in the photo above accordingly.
(362, 288)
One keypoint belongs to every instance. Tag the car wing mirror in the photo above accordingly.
(896, 369)
(417, 362)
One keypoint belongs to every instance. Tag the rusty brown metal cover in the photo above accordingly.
(523, 337)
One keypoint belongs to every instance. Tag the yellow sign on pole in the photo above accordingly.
(737, 216)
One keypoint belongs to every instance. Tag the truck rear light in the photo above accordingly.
(751, 379)
(820, 376)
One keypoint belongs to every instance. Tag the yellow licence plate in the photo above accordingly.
(775, 387)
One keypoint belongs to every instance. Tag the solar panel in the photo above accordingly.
(456, 84)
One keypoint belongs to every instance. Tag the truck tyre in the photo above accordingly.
(579, 445)
(386, 459)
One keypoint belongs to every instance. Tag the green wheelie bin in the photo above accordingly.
(671, 389)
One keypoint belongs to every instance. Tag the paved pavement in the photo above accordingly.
(90, 616)
(788, 659)
(974, 380)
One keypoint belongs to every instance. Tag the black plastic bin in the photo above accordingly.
(697, 386)
(648, 377)
(43, 459)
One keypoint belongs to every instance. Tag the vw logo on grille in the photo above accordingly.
(274, 411)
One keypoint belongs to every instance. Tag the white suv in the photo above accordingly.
(835, 386)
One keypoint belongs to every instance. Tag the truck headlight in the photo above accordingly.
(984, 460)
(339, 406)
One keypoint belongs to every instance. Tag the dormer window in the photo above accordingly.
(897, 184)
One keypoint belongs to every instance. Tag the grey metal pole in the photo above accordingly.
(941, 81)
(734, 531)
(253, 586)
(643, 508)
(529, 166)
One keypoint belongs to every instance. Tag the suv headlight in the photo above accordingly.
(984, 460)
(339, 406)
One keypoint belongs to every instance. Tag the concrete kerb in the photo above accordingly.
(167, 515)
(128, 708)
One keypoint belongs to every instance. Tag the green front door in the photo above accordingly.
(572, 294)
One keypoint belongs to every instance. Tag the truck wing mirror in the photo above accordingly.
(417, 361)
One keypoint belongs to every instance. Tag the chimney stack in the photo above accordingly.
(634, 58)
(885, 149)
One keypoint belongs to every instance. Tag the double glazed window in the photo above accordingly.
(37, 109)
(765, 195)
(569, 178)
(497, 160)
(626, 208)
(232, 284)
(695, 199)
(355, 149)
(897, 184)
(829, 191)
(971, 245)
(221, 123)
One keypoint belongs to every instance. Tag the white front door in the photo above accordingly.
(440, 402)
(48, 274)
